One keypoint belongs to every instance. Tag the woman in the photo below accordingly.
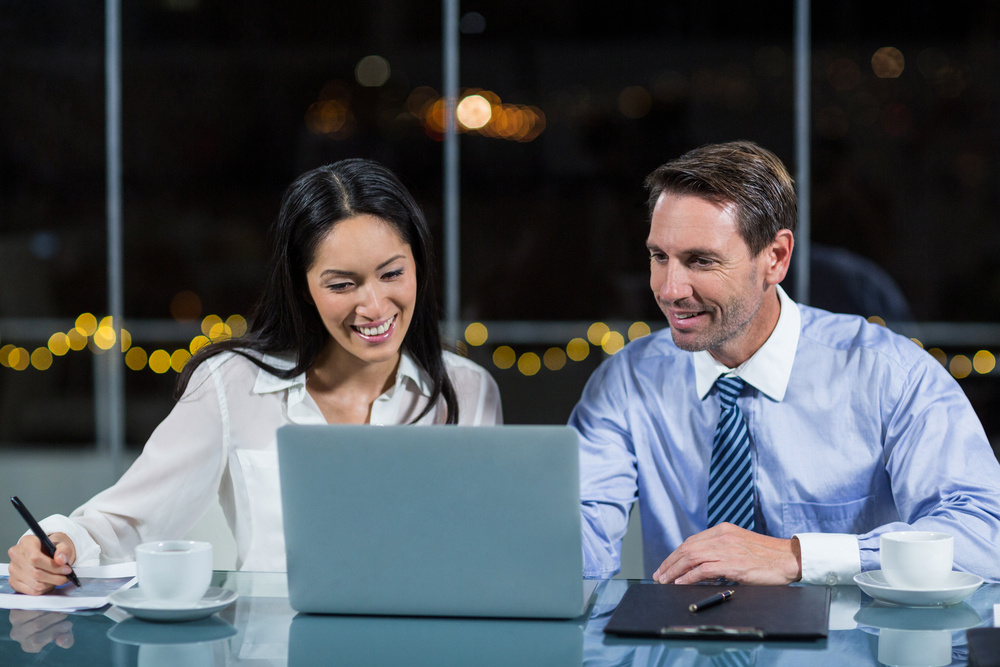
(345, 332)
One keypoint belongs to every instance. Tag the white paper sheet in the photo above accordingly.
(96, 584)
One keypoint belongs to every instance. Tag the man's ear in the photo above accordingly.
(777, 256)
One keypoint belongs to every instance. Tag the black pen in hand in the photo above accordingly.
(48, 548)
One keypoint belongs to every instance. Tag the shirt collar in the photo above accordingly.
(267, 383)
(770, 366)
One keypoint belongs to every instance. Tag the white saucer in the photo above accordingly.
(959, 586)
(134, 601)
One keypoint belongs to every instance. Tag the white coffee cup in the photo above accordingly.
(916, 559)
(174, 572)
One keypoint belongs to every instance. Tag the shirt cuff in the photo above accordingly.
(829, 559)
(88, 552)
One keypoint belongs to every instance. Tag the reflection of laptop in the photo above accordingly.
(432, 520)
(434, 642)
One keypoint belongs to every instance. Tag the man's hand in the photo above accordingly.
(34, 630)
(727, 551)
(34, 573)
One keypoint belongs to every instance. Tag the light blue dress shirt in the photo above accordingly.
(855, 431)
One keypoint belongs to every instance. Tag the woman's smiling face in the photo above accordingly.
(363, 281)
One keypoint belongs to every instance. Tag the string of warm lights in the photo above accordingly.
(99, 336)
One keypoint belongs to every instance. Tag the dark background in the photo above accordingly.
(215, 100)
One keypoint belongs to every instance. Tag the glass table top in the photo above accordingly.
(261, 629)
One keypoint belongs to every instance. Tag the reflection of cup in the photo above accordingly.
(927, 648)
(916, 559)
(192, 644)
(174, 572)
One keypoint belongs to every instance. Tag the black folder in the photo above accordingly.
(984, 647)
(753, 612)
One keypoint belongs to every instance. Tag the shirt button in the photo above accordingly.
(831, 580)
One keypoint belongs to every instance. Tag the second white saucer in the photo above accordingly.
(134, 601)
(959, 586)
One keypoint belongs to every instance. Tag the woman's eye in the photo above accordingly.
(392, 275)
(338, 287)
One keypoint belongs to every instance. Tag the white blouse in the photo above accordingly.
(219, 440)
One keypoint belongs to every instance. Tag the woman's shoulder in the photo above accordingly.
(237, 368)
(458, 365)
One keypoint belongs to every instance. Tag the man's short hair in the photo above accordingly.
(740, 173)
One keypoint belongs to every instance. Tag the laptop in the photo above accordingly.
(433, 520)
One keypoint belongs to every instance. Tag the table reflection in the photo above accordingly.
(356, 640)
(260, 628)
(192, 644)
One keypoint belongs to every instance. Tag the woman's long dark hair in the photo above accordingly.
(284, 322)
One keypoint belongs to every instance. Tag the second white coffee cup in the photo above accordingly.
(916, 559)
(174, 572)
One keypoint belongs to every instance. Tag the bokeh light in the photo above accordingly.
(938, 354)
(529, 364)
(888, 63)
(185, 306)
(875, 319)
(19, 359)
(86, 323)
(41, 359)
(638, 330)
(596, 332)
(58, 343)
(372, 71)
(476, 334)
(554, 359)
(577, 349)
(77, 339)
(474, 111)
(197, 343)
(612, 342)
(960, 366)
(209, 322)
(178, 359)
(237, 325)
(504, 357)
(135, 358)
(105, 337)
(159, 361)
(984, 362)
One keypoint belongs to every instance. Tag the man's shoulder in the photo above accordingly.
(843, 333)
(652, 355)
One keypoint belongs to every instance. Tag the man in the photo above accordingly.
(768, 442)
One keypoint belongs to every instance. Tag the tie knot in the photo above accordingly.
(729, 389)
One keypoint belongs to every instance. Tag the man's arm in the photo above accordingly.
(607, 470)
(944, 474)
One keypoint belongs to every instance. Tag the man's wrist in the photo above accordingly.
(797, 554)
(829, 558)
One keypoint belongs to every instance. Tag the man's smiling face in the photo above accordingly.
(705, 281)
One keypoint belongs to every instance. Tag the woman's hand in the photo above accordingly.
(34, 573)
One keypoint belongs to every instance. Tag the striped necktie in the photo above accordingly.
(730, 478)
